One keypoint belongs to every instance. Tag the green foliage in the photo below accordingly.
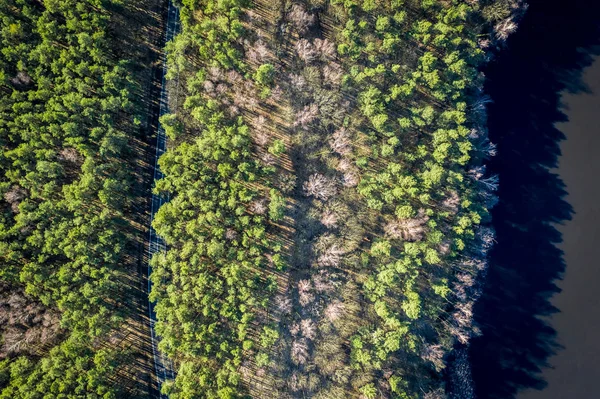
(276, 205)
(277, 148)
(68, 115)
(215, 275)
(264, 74)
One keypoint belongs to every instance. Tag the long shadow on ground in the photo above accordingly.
(555, 41)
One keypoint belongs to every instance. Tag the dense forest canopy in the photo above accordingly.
(67, 115)
(328, 213)
(329, 202)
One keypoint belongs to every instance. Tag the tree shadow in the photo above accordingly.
(555, 41)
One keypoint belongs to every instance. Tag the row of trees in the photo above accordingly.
(66, 116)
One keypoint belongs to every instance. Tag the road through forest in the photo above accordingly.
(163, 367)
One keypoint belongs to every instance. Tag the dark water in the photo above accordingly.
(575, 370)
(539, 342)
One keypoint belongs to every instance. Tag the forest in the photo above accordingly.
(68, 123)
(328, 215)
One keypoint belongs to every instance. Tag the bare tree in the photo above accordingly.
(325, 49)
(319, 186)
(283, 304)
(334, 310)
(215, 73)
(486, 237)
(332, 74)
(329, 219)
(412, 229)
(340, 142)
(505, 28)
(69, 154)
(435, 354)
(298, 82)
(306, 51)
(259, 206)
(231, 234)
(489, 183)
(300, 19)
(350, 179)
(258, 53)
(21, 79)
(309, 330)
(308, 114)
(234, 77)
(435, 394)
(299, 351)
(24, 323)
(451, 202)
(322, 281)
(15, 196)
(331, 256)
(305, 294)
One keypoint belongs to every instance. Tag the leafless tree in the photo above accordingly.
(268, 158)
(411, 229)
(460, 333)
(258, 53)
(319, 186)
(295, 329)
(322, 282)
(325, 49)
(308, 114)
(435, 354)
(340, 142)
(463, 316)
(505, 28)
(69, 154)
(283, 304)
(298, 82)
(306, 51)
(221, 89)
(467, 279)
(435, 394)
(215, 74)
(304, 286)
(484, 43)
(334, 310)
(24, 323)
(15, 196)
(305, 294)
(309, 330)
(231, 234)
(259, 206)
(21, 79)
(234, 110)
(329, 219)
(300, 19)
(331, 256)
(451, 202)
(486, 237)
(332, 74)
(490, 183)
(233, 77)
(299, 351)
(350, 179)
(277, 93)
